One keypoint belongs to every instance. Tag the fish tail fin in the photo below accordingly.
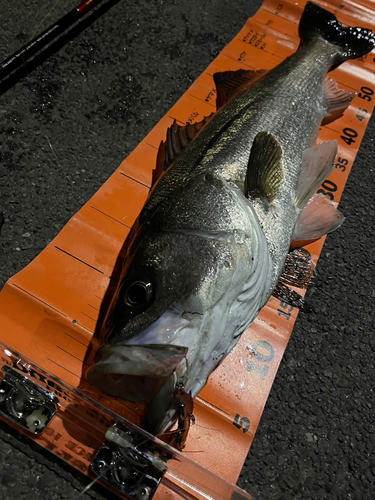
(350, 42)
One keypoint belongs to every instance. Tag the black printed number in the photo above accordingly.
(366, 94)
(349, 134)
(266, 355)
(286, 312)
(361, 114)
(329, 188)
(241, 423)
(341, 163)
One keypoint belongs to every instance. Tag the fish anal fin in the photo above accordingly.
(332, 117)
(336, 99)
(317, 164)
(228, 83)
(298, 268)
(265, 172)
(285, 294)
(319, 217)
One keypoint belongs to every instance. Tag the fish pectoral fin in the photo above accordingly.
(265, 171)
(228, 83)
(336, 99)
(319, 217)
(285, 294)
(178, 137)
(317, 164)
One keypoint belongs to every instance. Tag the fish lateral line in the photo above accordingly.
(259, 146)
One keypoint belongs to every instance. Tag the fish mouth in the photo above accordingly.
(135, 373)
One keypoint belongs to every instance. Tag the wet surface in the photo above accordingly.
(68, 124)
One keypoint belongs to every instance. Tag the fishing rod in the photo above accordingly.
(40, 41)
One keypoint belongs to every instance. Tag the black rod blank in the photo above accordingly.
(36, 44)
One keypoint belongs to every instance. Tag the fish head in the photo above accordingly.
(159, 316)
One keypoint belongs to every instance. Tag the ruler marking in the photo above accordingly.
(135, 180)
(71, 336)
(80, 260)
(40, 300)
(281, 17)
(207, 403)
(88, 316)
(202, 100)
(63, 367)
(241, 62)
(96, 308)
(173, 118)
(152, 146)
(332, 129)
(85, 327)
(109, 216)
(70, 354)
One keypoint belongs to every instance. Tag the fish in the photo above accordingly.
(235, 194)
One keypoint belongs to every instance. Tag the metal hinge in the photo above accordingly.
(26, 403)
(130, 463)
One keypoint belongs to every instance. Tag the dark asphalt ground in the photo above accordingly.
(68, 124)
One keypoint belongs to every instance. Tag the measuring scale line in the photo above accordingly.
(175, 119)
(202, 100)
(211, 405)
(79, 260)
(281, 17)
(332, 130)
(72, 355)
(153, 147)
(75, 322)
(239, 61)
(135, 180)
(87, 316)
(64, 368)
(96, 308)
(38, 299)
(109, 216)
(79, 341)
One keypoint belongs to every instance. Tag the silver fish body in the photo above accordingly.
(210, 243)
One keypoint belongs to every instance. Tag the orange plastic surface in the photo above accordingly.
(48, 311)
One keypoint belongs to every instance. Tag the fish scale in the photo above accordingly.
(241, 192)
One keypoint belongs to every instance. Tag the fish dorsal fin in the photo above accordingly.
(228, 83)
(265, 172)
(317, 164)
(160, 162)
(336, 99)
(319, 217)
(178, 137)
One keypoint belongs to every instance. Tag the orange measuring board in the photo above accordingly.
(49, 311)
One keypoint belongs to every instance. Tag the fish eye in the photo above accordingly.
(138, 294)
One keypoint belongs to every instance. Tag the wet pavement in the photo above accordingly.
(65, 127)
